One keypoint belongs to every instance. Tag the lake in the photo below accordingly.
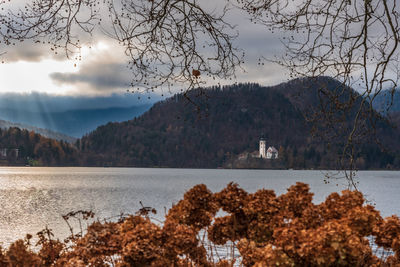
(32, 198)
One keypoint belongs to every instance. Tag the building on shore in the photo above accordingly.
(5, 152)
(262, 153)
(270, 153)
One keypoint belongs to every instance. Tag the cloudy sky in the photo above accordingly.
(102, 72)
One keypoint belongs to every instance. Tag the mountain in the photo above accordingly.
(209, 128)
(332, 109)
(72, 122)
(44, 132)
(388, 101)
(395, 118)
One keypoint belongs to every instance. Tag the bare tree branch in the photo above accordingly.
(58, 23)
(174, 42)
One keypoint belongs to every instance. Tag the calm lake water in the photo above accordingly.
(32, 198)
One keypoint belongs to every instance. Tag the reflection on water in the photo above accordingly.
(32, 198)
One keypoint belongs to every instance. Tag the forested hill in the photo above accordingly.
(220, 124)
(34, 149)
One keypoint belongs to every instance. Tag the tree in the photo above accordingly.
(181, 42)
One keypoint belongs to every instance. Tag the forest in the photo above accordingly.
(35, 150)
(209, 128)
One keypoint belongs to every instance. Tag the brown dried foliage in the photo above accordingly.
(257, 229)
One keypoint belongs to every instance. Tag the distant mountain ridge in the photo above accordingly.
(74, 123)
(44, 132)
(388, 101)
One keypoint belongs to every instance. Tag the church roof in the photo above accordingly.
(272, 149)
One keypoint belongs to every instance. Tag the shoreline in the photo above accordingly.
(190, 168)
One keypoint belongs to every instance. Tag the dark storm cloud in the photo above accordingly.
(20, 54)
(30, 52)
(98, 76)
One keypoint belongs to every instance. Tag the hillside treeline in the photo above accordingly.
(34, 149)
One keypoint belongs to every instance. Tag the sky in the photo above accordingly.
(31, 69)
